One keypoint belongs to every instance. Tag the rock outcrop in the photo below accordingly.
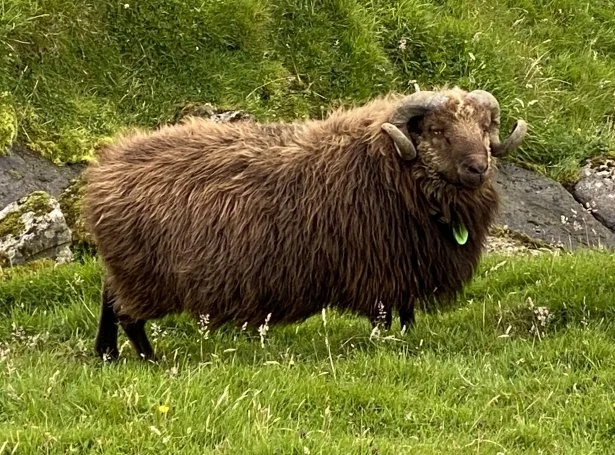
(212, 113)
(542, 209)
(34, 228)
(23, 171)
(596, 190)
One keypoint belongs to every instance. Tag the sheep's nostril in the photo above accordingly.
(476, 168)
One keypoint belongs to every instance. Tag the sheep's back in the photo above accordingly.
(198, 218)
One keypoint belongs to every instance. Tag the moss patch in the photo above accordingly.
(11, 224)
(37, 202)
(8, 124)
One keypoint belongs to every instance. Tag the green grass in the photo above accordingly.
(74, 73)
(476, 379)
(486, 377)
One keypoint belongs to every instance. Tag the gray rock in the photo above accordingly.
(596, 190)
(34, 228)
(230, 116)
(212, 113)
(22, 172)
(542, 209)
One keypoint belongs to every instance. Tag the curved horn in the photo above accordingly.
(414, 105)
(517, 134)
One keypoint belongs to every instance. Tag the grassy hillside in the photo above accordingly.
(73, 73)
(524, 364)
(498, 375)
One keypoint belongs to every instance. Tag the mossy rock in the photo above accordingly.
(11, 224)
(208, 111)
(37, 202)
(72, 207)
(602, 160)
(33, 228)
(190, 109)
(8, 124)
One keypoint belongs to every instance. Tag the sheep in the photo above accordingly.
(375, 208)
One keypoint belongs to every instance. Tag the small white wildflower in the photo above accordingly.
(17, 331)
(375, 332)
(5, 350)
(542, 316)
(173, 371)
(402, 44)
(156, 330)
(203, 323)
(126, 6)
(263, 329)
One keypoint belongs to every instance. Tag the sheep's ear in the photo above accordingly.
(401, 140)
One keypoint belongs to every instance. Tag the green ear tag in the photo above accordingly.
(461, 234)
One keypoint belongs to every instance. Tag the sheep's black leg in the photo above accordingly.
(388, 319)
(106, 337)
(135, 331)
(406, 316)
(384, 317)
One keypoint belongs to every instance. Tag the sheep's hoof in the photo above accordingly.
(107, 353)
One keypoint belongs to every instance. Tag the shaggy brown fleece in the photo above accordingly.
(246, 221)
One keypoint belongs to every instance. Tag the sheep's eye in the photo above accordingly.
(437, 132)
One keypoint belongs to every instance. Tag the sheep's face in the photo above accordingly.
(453, 141)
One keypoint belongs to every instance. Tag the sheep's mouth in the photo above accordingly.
(472, 180)
(462, 181)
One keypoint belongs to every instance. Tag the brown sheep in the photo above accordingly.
(365, 211)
